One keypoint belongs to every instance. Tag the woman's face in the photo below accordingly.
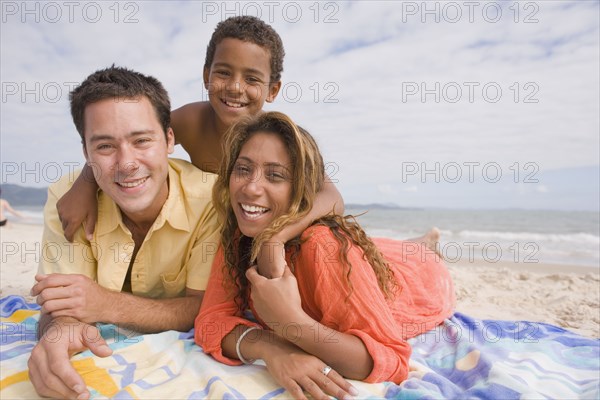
(260, 184)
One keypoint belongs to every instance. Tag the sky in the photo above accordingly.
(455, 104)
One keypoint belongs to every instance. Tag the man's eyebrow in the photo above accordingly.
(99, 137)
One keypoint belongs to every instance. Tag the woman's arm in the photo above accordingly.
(218, 329)
(350, 325)
(277, 302)
(271, 258)
(290, 366)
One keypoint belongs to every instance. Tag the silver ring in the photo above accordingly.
(326, 370)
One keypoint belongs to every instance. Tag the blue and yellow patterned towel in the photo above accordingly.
(462, 358)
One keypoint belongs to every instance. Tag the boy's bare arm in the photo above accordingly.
(271, 258)
(79, 205)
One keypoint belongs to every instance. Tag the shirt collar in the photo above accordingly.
(173, 211)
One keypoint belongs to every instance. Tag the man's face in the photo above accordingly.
(126, 147)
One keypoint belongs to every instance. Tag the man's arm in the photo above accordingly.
(79, 297)
(271, 258)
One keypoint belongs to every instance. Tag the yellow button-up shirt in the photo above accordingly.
(177, 252)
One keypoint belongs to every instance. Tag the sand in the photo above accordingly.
(562, 295)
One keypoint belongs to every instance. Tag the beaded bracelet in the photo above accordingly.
(239, 341)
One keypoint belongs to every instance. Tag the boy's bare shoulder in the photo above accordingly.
(192, 127)
(189, 120)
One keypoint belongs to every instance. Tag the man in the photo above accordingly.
(148, 261)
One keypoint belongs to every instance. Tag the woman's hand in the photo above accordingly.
(277, 301)
(297, 370)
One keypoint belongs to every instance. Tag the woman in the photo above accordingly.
(341, 308)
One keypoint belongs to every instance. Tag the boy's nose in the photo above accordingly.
(234, 85)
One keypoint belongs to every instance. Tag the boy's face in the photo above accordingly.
(238, 80)
(126, 146)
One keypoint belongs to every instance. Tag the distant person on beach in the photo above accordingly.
(147, 262)
(242, 71)
(5, 206)
(345, 305)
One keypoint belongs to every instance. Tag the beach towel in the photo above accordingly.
(462, 358)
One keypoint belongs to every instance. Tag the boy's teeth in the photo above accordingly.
(236, 105)
(253, 209)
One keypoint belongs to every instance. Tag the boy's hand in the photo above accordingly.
(271, 259)
(75, 209)
(79, 205)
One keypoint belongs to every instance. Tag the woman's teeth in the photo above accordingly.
(253, 211)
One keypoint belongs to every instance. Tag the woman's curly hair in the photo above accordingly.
(308, 178)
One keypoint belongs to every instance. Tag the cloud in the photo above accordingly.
(350, 75)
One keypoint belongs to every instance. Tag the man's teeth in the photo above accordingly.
(132, 184)
(254, 209)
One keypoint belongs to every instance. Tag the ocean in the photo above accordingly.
(524, 236)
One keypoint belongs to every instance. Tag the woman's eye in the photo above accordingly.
(242, 170)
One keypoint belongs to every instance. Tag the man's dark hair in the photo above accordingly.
(119, 83)
(253, 30)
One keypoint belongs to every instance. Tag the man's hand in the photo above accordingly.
(72, 295)
(50, 369)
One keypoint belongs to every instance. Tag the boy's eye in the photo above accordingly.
(253, 79)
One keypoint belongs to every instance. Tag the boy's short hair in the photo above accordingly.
(253, 30)
(119, 83)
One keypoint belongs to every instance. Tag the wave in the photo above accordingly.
(579, 238)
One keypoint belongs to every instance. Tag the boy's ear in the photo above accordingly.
(273, 91)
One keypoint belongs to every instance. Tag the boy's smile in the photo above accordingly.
(238, 80)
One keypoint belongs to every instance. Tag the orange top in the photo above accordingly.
(425, 300)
